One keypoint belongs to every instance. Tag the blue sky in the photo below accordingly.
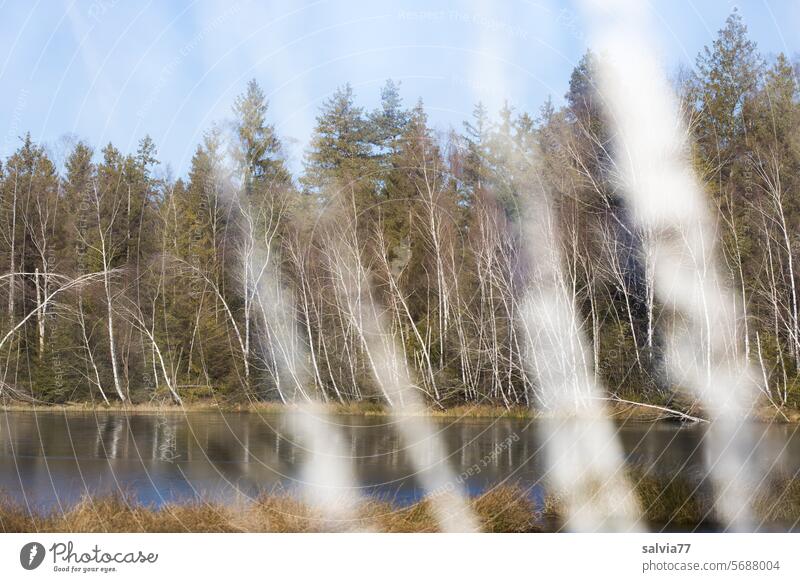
(110, 70)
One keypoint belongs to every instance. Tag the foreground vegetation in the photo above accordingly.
(505, 509)
(674, 504)
(121, 283)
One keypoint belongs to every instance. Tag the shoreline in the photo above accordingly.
(624, 411)
(676, 504)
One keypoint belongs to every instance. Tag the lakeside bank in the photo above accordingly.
(621, 410)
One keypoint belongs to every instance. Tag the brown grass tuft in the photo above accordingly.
(672, 504)
(501, 509)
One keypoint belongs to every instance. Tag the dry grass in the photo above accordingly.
(361, 408)
(505, 509)
(623, 412)
(780, 501)
(673, 504)
(679, 504)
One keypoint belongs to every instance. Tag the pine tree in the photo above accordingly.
(476, 162)
(340, 155)
(728, 74)
(258, 151)
(389, 121)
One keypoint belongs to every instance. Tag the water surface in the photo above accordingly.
(49, 460)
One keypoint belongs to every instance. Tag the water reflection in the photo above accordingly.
(51, 458)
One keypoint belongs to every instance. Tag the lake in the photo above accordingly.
(48, 460)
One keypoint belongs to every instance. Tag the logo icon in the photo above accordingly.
(31, 555)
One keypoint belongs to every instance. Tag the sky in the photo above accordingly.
(114, 71)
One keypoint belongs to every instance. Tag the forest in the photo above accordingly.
(121, 283)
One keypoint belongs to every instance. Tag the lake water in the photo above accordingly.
(50, 459)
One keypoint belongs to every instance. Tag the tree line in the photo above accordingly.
(122, 284)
